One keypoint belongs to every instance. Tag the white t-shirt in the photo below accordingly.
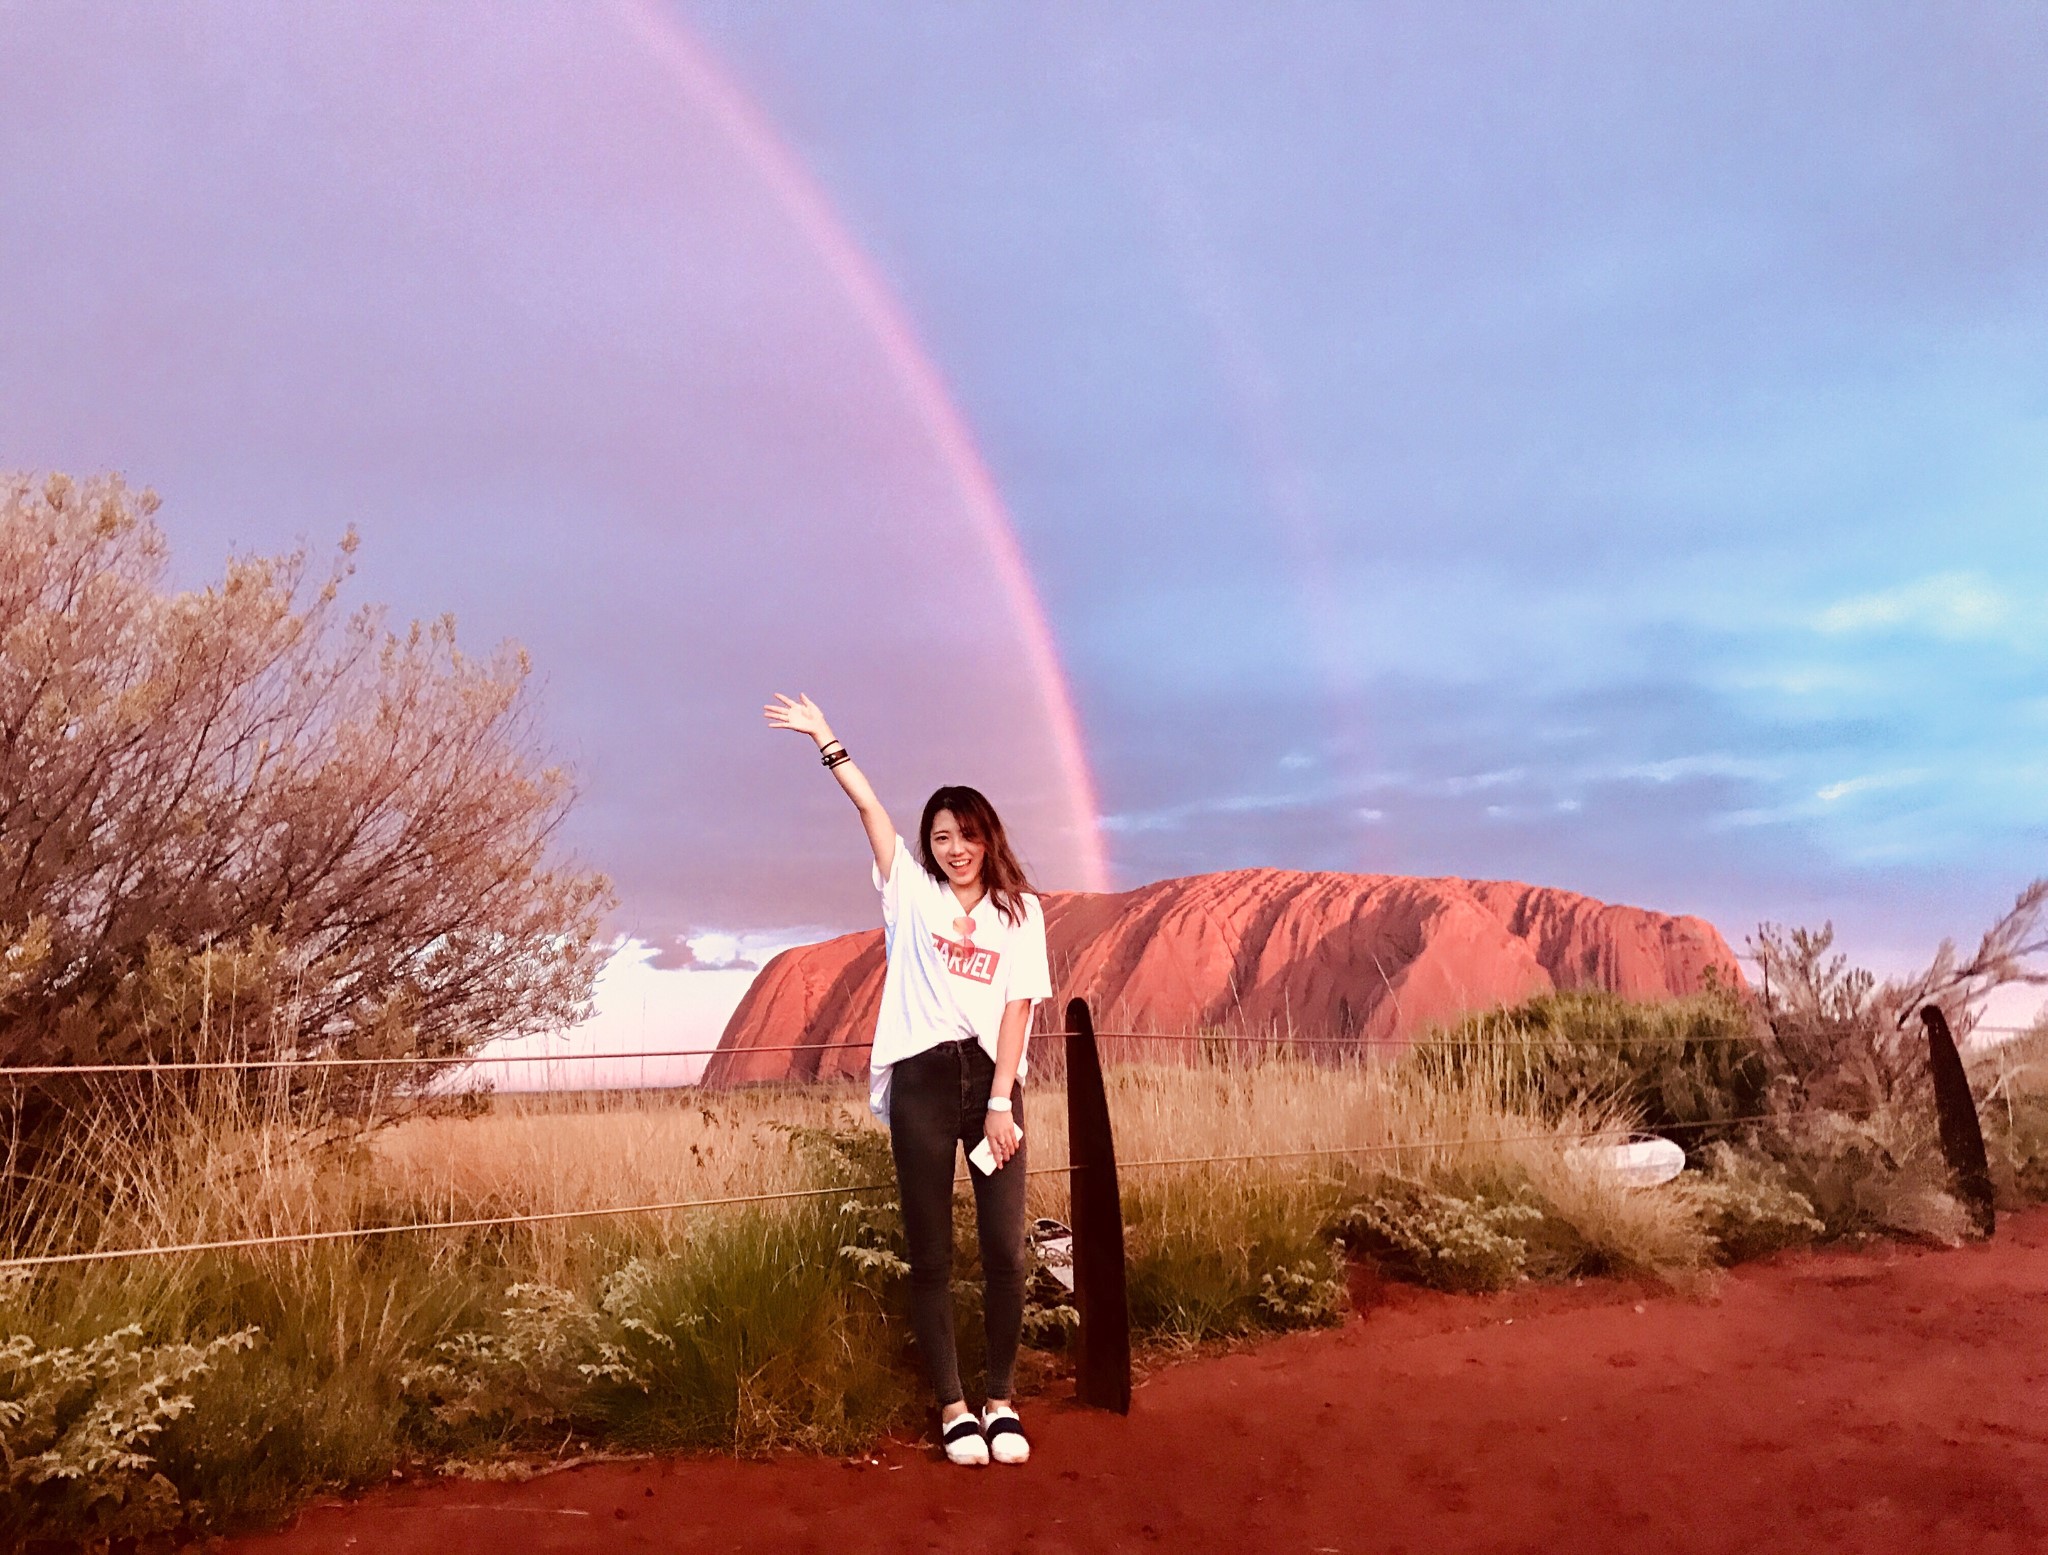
(949, 972)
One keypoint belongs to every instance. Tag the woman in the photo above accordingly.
(966, 958)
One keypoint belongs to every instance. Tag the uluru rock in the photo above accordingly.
(1357, 959)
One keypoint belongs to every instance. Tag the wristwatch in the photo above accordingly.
(999, 1104)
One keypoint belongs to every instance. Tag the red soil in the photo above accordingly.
(1885, 1401)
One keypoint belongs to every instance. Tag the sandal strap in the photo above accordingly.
(1004, 1425)
(965, 1426)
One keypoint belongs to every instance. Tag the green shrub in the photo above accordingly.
(1049, 1325)
(541, 1363)
(2016, 1134)
(1684, 1067)
(1747, 1204)
(1446, 1240)
(1868, 1176)
(1593, 1226)
(2014, 1110)
(782, 1324)
(1211, 1255)
(287, 1420)
(774, 1339)
(80, 1425)
(1311, 1294)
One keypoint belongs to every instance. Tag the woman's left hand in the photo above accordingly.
(1001, 1131)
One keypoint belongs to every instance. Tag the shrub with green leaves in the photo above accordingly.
(1869, 1176)
(130, 1399)
(2017, 1134)
(1049, 1322)
(1447, 1240)
(1747, 1204)
(2014, 1110)
(79, 1427)
(1310, 1294)
(545, 1360)
(1211, 1255)
(1684, 1067)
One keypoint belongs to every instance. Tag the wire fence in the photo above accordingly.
(1218, 1039)
(610, 1211)
(1506, 1039)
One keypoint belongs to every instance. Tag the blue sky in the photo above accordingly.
(1603, 444)
(1600, 445)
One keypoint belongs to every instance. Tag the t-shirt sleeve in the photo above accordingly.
(898, 882)
(1030, 969)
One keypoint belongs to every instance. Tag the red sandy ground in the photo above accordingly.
(1889, 1400)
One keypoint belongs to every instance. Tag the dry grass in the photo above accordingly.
(537, 1154)
(227, 1163)
(753, 1326)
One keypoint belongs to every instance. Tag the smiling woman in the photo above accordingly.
(966, 960)
(541, 304)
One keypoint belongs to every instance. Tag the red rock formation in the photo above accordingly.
(1375, 958)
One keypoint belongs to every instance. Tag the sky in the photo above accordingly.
(1600, 445)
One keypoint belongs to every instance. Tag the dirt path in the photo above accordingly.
(1894, 1400)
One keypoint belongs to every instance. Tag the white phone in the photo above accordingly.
(984, 1158)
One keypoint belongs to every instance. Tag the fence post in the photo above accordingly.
(1955, 1110)
(1104, 1380)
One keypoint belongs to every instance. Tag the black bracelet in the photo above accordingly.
(833, 760)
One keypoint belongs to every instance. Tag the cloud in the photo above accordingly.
(1675, 769)
(1173, 817)
(1953, 605)
(1815, 681)
(1583, 471)
(1478, 782)
(1872, 783)
(659, 1025)
(703, 953)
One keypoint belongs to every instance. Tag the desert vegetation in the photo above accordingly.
(235, 824)
(210, 1388)
(241, 800)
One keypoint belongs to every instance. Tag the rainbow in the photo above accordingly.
(750, 133)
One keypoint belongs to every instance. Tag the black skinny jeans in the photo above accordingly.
(938, 1102)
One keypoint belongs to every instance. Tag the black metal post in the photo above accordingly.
(1955, 1109)
(1104, 1380)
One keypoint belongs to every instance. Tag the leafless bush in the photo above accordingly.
(2007, 956)
(1848, 1042)
(1838, 1046)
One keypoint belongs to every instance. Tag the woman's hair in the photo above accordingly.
(1001, 874)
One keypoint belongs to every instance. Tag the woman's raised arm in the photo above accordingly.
(803, 717)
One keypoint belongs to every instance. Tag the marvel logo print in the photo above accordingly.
(967, 960)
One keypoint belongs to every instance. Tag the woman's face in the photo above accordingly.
(958, 855)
